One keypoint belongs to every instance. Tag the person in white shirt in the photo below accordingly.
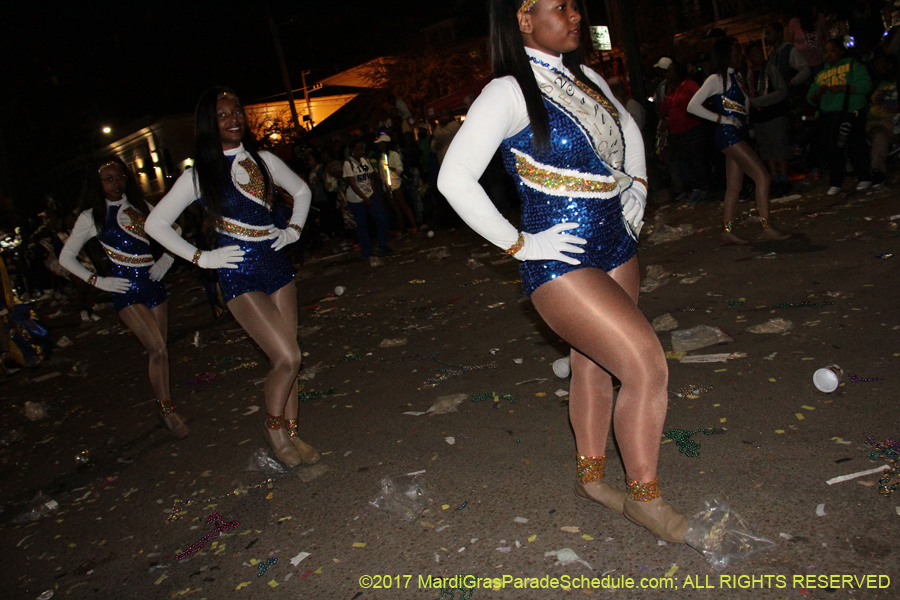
(578, 161)
(392, 177)
(363, 202)
(235, 184)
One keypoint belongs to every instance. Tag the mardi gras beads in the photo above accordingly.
(497, 397)
(221, 526)
(265, 566)
(686, 445)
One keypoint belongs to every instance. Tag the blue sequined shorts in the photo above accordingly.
(729, 135)
(602, 225)
(143, 289)
(262, 270)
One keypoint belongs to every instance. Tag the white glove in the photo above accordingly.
(633, 204)
(116, 285)
(551, 243)
(283, 237)
(226, 257)
(733, 121)
(161, 267)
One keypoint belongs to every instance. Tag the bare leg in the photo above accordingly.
(285, 301)
(398, 199)
(590, 310)
(748, 162)
(259, 316)
(145, 324)
(734, 180)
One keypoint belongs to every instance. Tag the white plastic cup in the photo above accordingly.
(430, 233)
(339, 290)
(827, 379)
(561, 368)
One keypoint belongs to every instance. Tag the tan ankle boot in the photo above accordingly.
(172, 419)
(589, 486)
(770, 233)
(309, 454)
(730, 238)
(644, 505)
(280, 441)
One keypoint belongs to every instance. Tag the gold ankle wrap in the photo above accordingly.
(292, 427)
(166, 406)
(727, 226)
(275, 422)
(590, 468)
(765, 222)
(642, 492)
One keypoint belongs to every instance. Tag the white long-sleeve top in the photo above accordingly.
(187, 190)
(712, 86)
(497, 114)
(84, 230)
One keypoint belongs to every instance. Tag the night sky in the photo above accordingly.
(71, 68)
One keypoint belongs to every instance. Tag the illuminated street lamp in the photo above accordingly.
(107, 130)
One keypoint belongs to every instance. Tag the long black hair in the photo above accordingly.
(210, 165)
(508, 57)
(720, 55)
(92, 197)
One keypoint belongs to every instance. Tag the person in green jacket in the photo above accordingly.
(843, 76)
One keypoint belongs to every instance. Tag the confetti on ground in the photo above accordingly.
(805, 407)
(450, 440)
(359, 544)
(586, 537)
(820, 510)
(843, 478)
(571, 529)
(532, 538)
(242, 585)
(161, 579)
(671, 570)
(273, 584)
(522, 520)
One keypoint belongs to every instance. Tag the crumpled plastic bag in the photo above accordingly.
(404, 496)
(701, 336)
(665, 233)
(447, 404)
(778, 325)
(655, 278)
(79, 369)
(567, 556)
(664, 322)
(392, 343)
(309, 373)
(39, 506)
(439, 253)
(261, 461)
(35, 411)
(473, 264)
(722, 536)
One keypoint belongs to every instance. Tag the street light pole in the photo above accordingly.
(286, 80)
(312, 123)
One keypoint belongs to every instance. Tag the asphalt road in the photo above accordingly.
(499, 496)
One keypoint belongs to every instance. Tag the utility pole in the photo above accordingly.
(312, 124)
(284, 72)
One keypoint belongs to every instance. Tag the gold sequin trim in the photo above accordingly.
(590, 468)
(137, 221)
(520, 242)
(765, 222)
(527, 5)
(642, 182)
(292, 428)
(234, 228)
(733, 106)
(129, 259)
(166, 406)
(728, 225)
(562, 183)
(609, 106)
(643, 492)
(273, 422)
(257, 185)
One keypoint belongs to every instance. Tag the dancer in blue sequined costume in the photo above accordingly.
(731, 106)
(235, 184)
(116, 218)
(578, 161)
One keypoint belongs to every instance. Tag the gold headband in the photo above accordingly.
(527, 5)
(223, 95)
(111, 163)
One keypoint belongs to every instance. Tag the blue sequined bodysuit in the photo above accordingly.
(542, 181)
(128, 249)
(246, 222)
(732, 103)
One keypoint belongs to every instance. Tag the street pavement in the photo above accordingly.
(497, 474)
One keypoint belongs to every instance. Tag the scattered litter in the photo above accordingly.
(46, 377)
(518, 361)
(777, 325)
(561, 367)
(299, 558)
(402, 495)
(450, 440)
(665, 233)
(561, 393)
(11, 437)
(39, 506)
(307, 474)
(570, 529)
(567, 556)
(656, 278)
(672, 570)
(705, 358)
(692, 280)
(389, 343)
(447, 404)
(64, 342)
(522, 520)
(439, 252)
(664, 322)
(535, 380)
(473, 264)
(46, 595)
(820, 510)
(250, 410)
(685, 340)
(310, 372)
(843, 478)
(722, 536)
(35, 411)
(262, 461)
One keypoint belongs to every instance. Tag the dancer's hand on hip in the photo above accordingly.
(226, 257)
(733, 121)
(115, 285)
(551, 243)
(633, 204)
(161, 267)
(283, 237)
